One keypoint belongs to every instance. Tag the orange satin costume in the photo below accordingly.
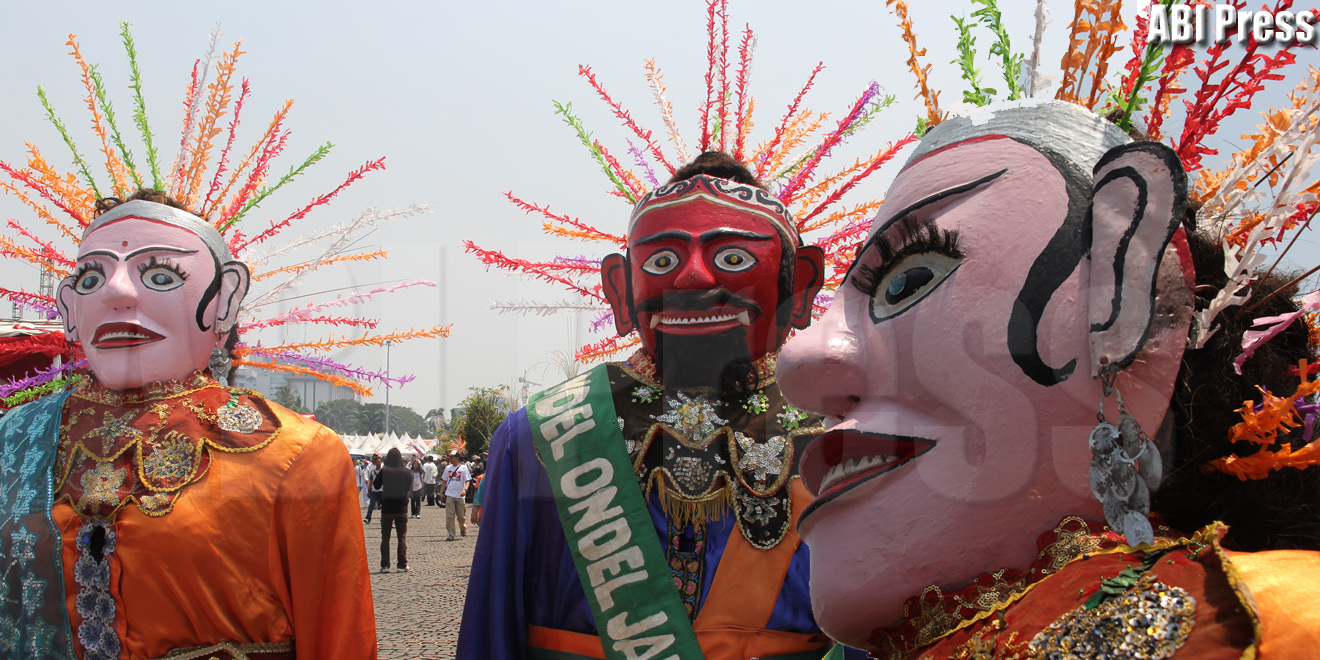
(258, 547)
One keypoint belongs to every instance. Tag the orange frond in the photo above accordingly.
(118, 171)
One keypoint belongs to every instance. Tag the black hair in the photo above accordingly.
(1281, 510)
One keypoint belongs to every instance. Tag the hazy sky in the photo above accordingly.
(457, 97)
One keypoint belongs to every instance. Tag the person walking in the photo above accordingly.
(360, 473)
(456, 478)
(416, 494)
(429, 472)
(373, 491)
(476, 500)
(394, 481)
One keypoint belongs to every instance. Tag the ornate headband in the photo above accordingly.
(165, 215)
(737, 196)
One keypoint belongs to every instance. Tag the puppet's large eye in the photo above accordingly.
(90, 278)
(661, 262)
(908, 281)
(161, 276)
(734, 260)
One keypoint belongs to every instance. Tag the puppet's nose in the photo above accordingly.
(119, 291)
(695, 274)
(822, 369)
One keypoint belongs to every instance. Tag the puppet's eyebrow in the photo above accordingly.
(672, 234)
(134, 253)
(159, 248)
(731, 233)
(941, 195)
(100, 253)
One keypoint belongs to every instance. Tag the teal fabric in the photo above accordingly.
(33, 621)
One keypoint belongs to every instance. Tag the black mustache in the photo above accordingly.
(695, 300)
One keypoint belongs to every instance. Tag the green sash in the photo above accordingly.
(605, 518)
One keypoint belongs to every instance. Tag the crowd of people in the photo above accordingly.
(397, 489)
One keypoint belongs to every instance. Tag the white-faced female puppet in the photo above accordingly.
(1014, 268)
(154, 295)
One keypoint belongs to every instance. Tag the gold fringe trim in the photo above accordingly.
(683, 512)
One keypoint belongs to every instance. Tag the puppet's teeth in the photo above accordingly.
(744, 318)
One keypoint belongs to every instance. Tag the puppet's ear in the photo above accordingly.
(235, 278)
(64, 300)
(808, 277)
(614, 281)
(1139, 195)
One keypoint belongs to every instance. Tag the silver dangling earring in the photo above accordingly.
(219, 365)
(1125, 468)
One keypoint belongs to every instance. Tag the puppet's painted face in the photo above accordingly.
(958, 435)
(143, 302)
(700, 269)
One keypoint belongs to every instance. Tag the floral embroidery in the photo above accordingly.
(645, 394)
(9, 634)
(34, 589)
(145, 446)
(8, 458)
(113, 428)
(237, 418)
(22, 543)
(757, 403)
(695, 420)
(757, 510)
(1149, 622)
(791, 418)
(688, 566)
(24, 582)
(22, 504)
(95, 603)
(762, 458)
(171, 459)
(101, 486)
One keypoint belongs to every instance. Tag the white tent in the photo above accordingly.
(366, 445)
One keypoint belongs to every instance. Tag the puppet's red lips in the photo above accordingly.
(123, 335)
(838, 461)
(691, 321)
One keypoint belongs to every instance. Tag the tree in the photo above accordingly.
(344, 416)
(402, 420)
(289, 399)
(435, 419)
(484, 409)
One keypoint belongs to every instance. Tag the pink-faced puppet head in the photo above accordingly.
(714, 279)
(153, 293)
(1022, 252)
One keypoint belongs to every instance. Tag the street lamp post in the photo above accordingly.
(387, 386)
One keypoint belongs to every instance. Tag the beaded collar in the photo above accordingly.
(145, 445)
(935, 614)
(703, 456)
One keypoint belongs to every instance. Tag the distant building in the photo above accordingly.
(313, 391)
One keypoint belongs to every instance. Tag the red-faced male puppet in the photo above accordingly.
(715, 278)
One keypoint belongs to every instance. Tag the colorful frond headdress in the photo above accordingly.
(213, 175)
(1264, 196)
(790, 161)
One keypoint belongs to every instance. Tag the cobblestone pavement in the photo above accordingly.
(417, 613)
